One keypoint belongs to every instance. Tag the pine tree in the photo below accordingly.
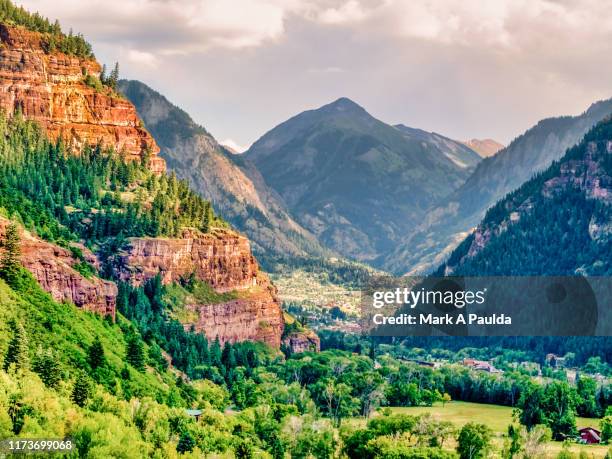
(81, 390)
(215, 353)
(207, 218)
(95, 354)
(47, 366)
(103, 77)
(135, 352)
(114, 76)
(9, 263)
(17, 352)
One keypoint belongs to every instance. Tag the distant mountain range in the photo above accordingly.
(449, 222)
(233, 185)
(355, 182)
(484, 147)
(337, 181)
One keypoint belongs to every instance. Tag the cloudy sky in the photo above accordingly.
(465, 68)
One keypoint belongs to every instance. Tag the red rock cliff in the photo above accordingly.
(51, 89)
(224, 260)
(52, 267)
(302, 341)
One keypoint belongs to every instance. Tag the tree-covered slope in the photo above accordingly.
(354, 181)
(76, 375)
(558, 223)
(96, 197)
(229, 181)
(448, 222)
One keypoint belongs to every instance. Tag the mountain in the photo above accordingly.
(230, 182)
(355, 182)
(484, 147)
(557, 223)
(81, 174)
(449, 221)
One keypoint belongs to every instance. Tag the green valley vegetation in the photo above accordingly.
(70, 372)
(111, 387)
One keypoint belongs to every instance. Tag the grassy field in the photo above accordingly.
(498, 418)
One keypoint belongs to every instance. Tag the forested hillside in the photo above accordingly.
(557, 223)
(96, 196)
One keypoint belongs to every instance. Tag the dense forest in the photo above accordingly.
(109, 388)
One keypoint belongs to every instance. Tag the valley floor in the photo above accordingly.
(497, 418)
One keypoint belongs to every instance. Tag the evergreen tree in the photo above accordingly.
(9, 263)
(81, 390)
(47, 366)
(135, 355)
(95, 354)
(207, 218)
(215, 353)
(17, 352)
(103, 77)
(228, 356)
(113, 78)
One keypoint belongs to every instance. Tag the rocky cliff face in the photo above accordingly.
(224, 260)
(302, 341)
(51, 89)
(254, 316)
(53, 267)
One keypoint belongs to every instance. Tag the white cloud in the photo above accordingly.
(184, 26)
(141, 58)
(351, 11)
(466, 68)
(173, 26)
(326, 70)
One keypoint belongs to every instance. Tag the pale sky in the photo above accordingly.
(467, 68)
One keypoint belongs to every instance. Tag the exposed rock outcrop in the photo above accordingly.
(224, 260)
(51, 89)
(53, 267)
(302, 341)
(254, 316)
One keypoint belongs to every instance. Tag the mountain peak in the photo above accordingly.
(344, 104)
(484, 147)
